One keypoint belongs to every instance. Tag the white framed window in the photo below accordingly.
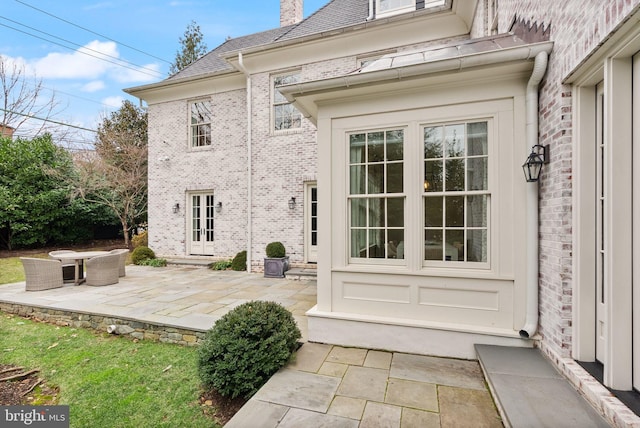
(456, 195)
(376, 194)
(391, 7)
(200, 123)
(285, 115)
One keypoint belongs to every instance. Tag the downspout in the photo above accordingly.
(249, 162)
(370, 17)
(531, 101)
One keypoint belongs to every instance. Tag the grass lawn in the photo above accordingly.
(11, 270)
(108, 381)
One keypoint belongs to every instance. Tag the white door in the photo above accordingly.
(601, 174)
(636, 223)
(201, 210)
(311, 223)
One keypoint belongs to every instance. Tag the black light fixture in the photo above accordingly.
(176, 208)
(533, 165)
(219, 207)
(292, 203)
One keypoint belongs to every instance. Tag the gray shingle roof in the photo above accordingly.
(332, 16)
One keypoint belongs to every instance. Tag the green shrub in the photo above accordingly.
(142, 253)
(246, 347)
(239, 262)
(220, 265)
(153, 262)
(141, 239)
(275, 250)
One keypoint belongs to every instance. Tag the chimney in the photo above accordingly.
(290, 12)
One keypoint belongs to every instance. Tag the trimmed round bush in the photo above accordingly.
(246, 347)
(142, 253)
(239, 262)
(275, 250)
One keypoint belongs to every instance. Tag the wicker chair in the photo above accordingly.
(41, 274)
(68, 266)
(103, 270)
(123, 252)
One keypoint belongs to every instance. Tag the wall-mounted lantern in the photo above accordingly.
(533, 165)
(176, 208)
(219, 207)
(292, 203)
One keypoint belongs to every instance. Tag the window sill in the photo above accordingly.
(286, 132)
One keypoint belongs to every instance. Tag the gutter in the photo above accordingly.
(249, 162)
(531, 321)
(398, 73)
(370, 17)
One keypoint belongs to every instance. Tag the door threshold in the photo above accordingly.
(631, 399)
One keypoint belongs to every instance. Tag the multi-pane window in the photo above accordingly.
(376, 198)
(387, 6)
(200, 127)
(285, 115)
(456, 192)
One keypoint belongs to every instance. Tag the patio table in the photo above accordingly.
(78, 257)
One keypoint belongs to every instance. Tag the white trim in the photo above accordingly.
(390, 334)
(613, 65)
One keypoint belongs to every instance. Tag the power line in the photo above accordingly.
(139, 69)
(92, 32)
(49, 120)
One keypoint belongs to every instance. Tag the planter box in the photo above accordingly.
(275, 267)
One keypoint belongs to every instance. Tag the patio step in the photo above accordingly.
(301, 273)
(190, 262)
(530, 392)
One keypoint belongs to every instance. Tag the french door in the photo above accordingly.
(311, 223)
(201, 209)
(636, 221)
(601, 205)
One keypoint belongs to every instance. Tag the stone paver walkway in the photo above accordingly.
(333, 386)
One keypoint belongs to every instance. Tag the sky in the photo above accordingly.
(86, 52)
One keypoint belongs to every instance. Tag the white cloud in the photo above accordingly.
(93, 86)
(94, 61)
(84, 63)
(115, 101)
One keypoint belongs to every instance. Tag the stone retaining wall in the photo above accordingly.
(140, 330)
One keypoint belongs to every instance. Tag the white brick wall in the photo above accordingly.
(220, 168)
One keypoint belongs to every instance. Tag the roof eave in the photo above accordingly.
(312, 89)
(168, 83)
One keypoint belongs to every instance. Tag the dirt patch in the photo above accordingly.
(220, 409)
(20, 386)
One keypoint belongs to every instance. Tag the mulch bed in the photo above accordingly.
(21, 386)
(220, 408)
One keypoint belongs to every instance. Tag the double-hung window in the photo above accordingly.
(200, 123)
(376, 194)
(285, 115)
(456, 193)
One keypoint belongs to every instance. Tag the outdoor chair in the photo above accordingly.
(68, 266)
(123, 252)
(103, 270)
(41, 274)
